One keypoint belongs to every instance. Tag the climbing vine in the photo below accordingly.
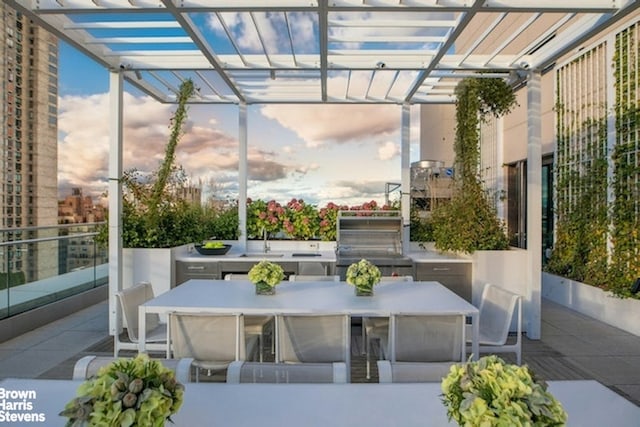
(598, 213)
(625, 238)
(469, 221)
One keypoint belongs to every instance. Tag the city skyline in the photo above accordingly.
(321, 153)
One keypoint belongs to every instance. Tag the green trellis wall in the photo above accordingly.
(598, 178)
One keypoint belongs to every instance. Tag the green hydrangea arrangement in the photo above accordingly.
(138, 392)
(490, 393)
(363, 275)
(266, 273)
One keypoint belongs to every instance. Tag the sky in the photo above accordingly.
(320, 153)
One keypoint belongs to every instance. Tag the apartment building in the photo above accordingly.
(28, 167)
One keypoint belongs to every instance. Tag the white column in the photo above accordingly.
(242, 174)
(405, 154)
(534, 207)
(115, 198)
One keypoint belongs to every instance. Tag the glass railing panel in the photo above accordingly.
(40, 265)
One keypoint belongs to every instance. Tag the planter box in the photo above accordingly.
(508, 270)
(593, 302)
(156, 266)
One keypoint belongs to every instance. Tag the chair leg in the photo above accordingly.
(364, 336)
(368, 356)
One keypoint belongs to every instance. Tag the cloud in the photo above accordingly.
(204, 151)
(318, 124)
(260, 31)
(388, 150)
(253, 33)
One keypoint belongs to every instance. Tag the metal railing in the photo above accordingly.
(40, 265)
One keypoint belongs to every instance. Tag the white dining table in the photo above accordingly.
(587, 403)
(314, 297)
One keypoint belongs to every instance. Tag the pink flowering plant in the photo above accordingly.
(328, 217)
(264, 217)
(301, 220)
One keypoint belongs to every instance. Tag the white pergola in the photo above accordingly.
(402, 52)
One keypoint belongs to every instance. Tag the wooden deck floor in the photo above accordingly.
(547, 363)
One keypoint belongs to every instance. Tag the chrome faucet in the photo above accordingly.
(265, 235)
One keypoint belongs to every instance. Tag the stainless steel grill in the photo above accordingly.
(375, 236)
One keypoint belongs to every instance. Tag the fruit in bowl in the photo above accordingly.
(213, 245)
(212, 248)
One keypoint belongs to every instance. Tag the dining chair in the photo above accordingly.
(88, 366)
(252, 372)
(213, 341)
(236, 276)
(496, 310)
(422, 347)
(129, 300)
(255, 325)
(374, 328)
(312, 268)
(313, 278)
(313, 338)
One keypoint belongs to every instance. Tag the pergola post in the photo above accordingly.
(242, 174)
(405, 150)
(534, 206)
(115, 197)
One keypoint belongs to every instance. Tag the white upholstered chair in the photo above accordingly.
(213, 341)
(252, 372)
(374, 328)
(255, 325)
(88, 366)
(422, 348)
(313, 278)
(156, 333)
(313, 338)
(497, 308)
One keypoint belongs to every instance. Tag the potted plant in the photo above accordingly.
(363, 275)
(136, 392)
(266, 275)
(491, 392)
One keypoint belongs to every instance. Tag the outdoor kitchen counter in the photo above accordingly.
(432, 256)
(241, 255)
(193, 265)
(453, 271)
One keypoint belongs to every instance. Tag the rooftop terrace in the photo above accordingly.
(573, 346)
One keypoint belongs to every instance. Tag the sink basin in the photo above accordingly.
(261, 255)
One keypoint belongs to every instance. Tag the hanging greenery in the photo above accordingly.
(469, 221)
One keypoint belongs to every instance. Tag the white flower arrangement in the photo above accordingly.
(491, 393)
(267, 273)
(138, 392)
(363, 275)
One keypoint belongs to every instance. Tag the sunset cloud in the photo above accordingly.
(318, 124)
(204, 151)
(278, 167)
